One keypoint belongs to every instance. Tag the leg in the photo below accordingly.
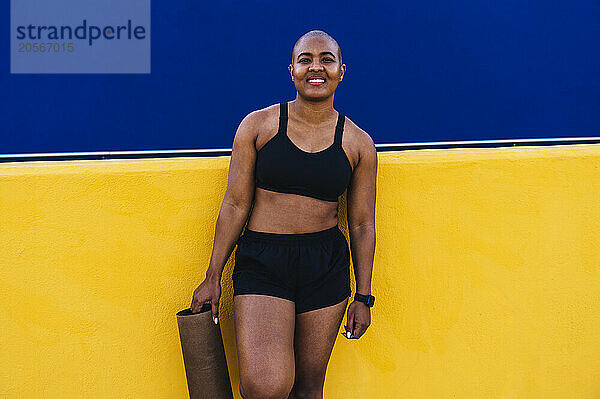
(316, 332)
(264, 329)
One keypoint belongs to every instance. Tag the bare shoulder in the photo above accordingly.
(263, 115)
(358, 143)
(255, 125)
(264, 123)
(254, 122)
(358, 135)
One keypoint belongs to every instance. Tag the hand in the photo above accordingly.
(209, 291)
(359, 319)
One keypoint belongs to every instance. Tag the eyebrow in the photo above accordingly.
(323, 53)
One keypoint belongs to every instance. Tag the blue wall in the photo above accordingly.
(416, 71)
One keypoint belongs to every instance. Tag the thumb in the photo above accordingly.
(215, 311)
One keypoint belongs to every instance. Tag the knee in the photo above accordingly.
(265, 389)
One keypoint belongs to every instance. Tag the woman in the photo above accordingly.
(291, 277)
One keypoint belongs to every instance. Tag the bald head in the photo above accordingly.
(317, 33)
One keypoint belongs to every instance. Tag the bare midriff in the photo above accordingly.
(284, 213)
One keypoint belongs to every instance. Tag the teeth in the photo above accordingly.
(316, 80)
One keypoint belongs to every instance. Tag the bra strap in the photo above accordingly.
(283, 118)
(339, 129)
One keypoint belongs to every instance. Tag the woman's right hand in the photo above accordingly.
(209, 291)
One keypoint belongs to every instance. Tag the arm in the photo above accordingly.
(238, 196)
(361, 215)
(361, 227)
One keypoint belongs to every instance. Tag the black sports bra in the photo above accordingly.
(285, 168)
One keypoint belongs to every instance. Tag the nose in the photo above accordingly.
(315, 66)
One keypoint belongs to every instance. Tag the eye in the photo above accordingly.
(304, 59)
(328, 59)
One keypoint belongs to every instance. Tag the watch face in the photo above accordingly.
(371, 300)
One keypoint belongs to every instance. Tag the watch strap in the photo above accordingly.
(368, 300)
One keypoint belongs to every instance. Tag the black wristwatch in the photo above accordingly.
(368, 300)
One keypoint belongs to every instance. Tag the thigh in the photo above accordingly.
(315, 335)
(264, 330)
(263, 266)
(323, 276)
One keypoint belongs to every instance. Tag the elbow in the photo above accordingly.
(242, 205)
(365, 226)
(242, 208)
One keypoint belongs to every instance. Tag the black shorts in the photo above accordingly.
(310, 269)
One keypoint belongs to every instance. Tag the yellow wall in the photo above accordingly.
(487, 276)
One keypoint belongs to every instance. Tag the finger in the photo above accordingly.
(362, 329)
(350, 326)
(357, 326)
(196, 307)
(358, 331)
(215, 311)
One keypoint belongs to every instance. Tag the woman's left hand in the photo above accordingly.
(359, 319)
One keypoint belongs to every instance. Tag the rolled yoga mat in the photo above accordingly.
(203, 355)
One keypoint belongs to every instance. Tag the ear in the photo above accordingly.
(342, 71)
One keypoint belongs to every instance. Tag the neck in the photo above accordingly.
(313, 112)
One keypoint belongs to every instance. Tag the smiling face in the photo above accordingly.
(316, 67)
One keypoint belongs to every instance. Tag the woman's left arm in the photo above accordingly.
(361, 228)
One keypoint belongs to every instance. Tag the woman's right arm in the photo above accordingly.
(238, 196)
(234, 211)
